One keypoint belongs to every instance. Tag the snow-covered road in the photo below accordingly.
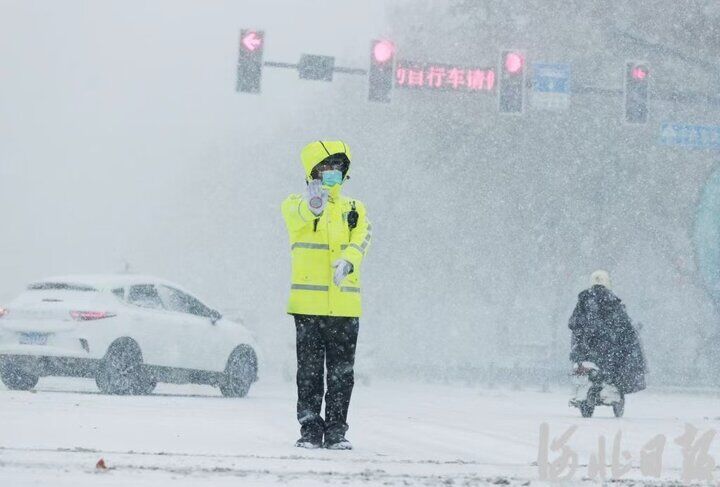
(404, 434)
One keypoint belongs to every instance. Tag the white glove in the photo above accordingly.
(316, 197)
(342, 269)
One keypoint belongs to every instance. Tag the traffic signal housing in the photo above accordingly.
(250, 61)
(637, 78)
(512, 81)
(381, 76)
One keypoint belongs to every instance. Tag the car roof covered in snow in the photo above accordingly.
(108, 282)
(103, 281)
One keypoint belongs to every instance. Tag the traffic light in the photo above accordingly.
(637, 77)
(382, 62)
(512, 82)
(250, 61)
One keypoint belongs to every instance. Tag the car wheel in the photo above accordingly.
(121, 371)
(17, 379)
(240, 372)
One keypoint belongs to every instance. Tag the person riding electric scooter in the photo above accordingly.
(605, 349)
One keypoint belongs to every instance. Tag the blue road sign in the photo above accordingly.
(690, 136)
(551, 85)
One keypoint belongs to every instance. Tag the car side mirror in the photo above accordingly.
(214, 316)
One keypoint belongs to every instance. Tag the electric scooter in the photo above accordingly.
(591, 390)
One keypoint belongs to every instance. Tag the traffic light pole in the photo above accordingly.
(336, 69)
(685, 97)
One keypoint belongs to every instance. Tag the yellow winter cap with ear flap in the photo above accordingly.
(315, 152)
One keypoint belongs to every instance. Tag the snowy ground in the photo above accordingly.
(405, 434)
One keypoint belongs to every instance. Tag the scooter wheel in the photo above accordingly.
(586, 409)
(619, 407)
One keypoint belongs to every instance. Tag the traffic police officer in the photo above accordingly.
(329, 237)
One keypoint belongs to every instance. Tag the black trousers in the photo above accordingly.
(321, 340)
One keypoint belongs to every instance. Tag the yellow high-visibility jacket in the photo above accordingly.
(315, 246)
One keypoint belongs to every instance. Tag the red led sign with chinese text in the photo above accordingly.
(432, 76)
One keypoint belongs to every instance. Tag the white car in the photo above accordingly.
(127, 332)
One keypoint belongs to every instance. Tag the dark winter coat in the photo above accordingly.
(603, 333)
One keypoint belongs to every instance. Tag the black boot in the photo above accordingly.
(310, 440)
(337, 442)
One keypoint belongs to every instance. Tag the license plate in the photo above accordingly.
(34, 338)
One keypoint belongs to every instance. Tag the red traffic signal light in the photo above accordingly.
(383, 51)
(250, 61)
(382, 70)
(514, 62)
(639, 72)
(251, 40)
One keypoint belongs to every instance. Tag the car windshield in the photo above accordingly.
(181, 302)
